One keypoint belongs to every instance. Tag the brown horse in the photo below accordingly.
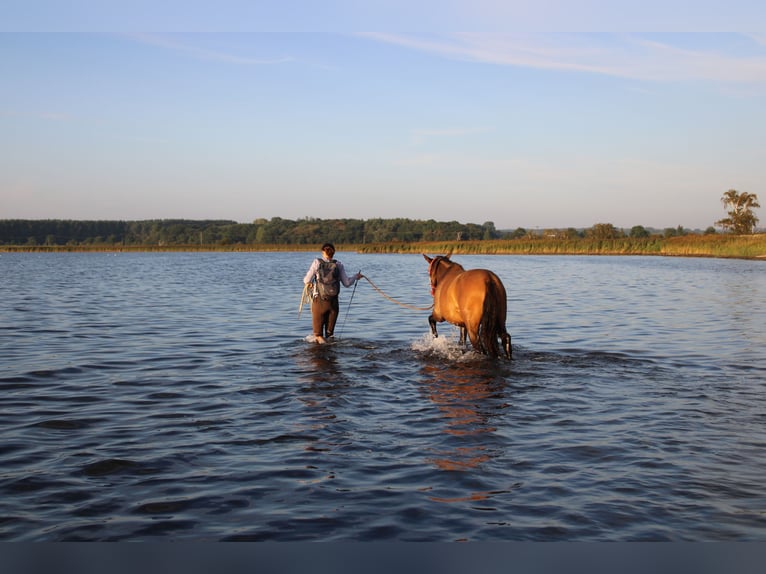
(474, 300)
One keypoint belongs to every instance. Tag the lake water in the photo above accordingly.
(175, 397)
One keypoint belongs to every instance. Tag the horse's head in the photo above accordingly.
(438, 266)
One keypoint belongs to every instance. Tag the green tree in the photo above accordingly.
(740, 207)
(603, 231)
(489, 231)
(638, 231)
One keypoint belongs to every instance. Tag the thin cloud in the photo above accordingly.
(619, 56)
(205, 54)
(420, 136)
(47, 116)
(448, 132)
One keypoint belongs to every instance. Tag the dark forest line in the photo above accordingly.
(278, 231)
(275, 231)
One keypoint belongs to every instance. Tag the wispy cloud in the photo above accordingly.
(47, 116)
(613, 55)
(420, 136)
(206, 54)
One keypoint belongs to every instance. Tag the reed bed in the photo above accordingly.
(726, 246)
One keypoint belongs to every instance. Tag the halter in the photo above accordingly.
(432, 272)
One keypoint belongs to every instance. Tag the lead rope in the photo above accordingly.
(379, 290)
(306, 298)
(348, 308)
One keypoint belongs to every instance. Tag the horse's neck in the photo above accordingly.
(451, 271)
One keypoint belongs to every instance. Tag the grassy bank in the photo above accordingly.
(624, 246)
(731, 246)
(738, 246)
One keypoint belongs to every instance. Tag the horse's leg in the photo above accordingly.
(473, 335)
(432, 322)
(463, 333)
(506, 339)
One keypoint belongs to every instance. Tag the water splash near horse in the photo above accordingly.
(474, 300)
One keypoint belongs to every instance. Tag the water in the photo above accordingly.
(174, 397)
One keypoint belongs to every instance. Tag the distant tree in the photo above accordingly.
(710, 231)
(741, 220)
(531, 234)
(604, 231)
(638, 231)
(489, 231)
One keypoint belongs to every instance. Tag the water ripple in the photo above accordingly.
(633, 408)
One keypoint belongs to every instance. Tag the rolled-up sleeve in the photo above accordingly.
(345, 279)
(311, 272)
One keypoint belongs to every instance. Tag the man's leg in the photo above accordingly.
(319, 312)
(332, 316)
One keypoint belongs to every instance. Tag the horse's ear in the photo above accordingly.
(449, 254)
(427, 258)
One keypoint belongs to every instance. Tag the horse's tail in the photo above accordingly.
(488, 328)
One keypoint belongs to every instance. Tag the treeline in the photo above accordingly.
(370, 236)
(278, 231)
(275, 231)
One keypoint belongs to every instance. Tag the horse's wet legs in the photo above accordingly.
(476, 343)
(432, 323)
(506, 339)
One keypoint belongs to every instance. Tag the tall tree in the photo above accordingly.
(740, 207)
(603, 231)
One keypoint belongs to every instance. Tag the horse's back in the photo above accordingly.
(477, 287)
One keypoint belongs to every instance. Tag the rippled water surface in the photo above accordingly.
(175, 397)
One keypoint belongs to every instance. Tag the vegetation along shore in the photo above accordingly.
(396, 235)
(392, 236)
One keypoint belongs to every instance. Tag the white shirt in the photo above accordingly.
(345, 279)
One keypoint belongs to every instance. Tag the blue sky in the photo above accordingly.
(533, 129)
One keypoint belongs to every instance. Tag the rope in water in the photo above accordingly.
(379, 290)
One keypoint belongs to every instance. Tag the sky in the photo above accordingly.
(534, 126)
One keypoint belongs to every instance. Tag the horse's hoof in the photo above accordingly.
(319, 340)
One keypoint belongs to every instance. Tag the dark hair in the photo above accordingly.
(328, 246)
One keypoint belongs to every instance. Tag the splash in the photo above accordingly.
(442, 347)
(318, 340)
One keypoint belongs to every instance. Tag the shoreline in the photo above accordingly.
(750, 247)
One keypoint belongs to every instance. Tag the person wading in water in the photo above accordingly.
(326, 275)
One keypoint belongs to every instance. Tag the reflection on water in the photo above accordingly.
(462, 393)
(320, 387)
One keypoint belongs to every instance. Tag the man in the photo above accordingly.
(326, 274)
